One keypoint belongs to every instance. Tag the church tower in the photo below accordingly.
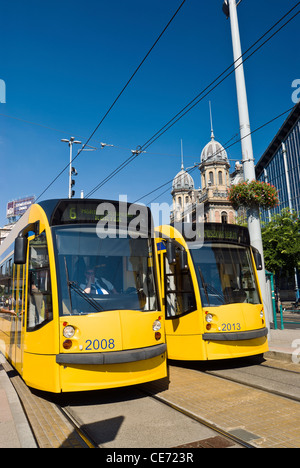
(182, 193)
(215, 180)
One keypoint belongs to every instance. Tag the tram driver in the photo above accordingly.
(95, 285)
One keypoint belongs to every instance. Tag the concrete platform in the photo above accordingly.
(15, 431)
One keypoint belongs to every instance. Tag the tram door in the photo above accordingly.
(19, 319)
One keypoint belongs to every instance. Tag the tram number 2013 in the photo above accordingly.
(231, 327)
(95, 345)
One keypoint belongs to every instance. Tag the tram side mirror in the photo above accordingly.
(257, 259)
(183, 260)
(171, 253)
(20, 253)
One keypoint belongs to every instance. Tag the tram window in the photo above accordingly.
(225, 274)
(180, 297)
(6, 283)
(103, 274)
(39, 284)
(18, 287)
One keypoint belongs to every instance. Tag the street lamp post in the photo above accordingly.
(230, 9)
(72, 171)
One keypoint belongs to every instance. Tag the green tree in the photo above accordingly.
(281, 242)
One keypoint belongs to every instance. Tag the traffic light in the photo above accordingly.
(72, 181)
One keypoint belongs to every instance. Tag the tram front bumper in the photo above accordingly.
(112, 357)
(236, 336)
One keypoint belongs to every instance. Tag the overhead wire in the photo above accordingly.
(227, 146)
(117, 98)
(213, 85)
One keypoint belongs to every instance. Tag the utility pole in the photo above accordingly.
(72, 170)
(230, 9)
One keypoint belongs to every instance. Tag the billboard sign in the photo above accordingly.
(18, 207)
(10, 209)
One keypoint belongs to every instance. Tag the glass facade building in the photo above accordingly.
(272, 168)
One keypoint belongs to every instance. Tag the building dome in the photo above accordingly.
(213, 151)
(183, 181)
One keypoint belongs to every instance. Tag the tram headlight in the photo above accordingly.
(261, 314)
(209, 318)
(69, 331)
(156, 325)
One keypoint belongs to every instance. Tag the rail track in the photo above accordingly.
(155, 416)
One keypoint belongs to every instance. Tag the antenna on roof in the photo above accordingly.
(182, 165)
(211, 122)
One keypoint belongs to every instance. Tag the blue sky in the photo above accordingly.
(64, 62)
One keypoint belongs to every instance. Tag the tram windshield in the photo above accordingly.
(97, 274)
(225, 274)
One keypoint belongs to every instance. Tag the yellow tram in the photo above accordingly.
(80, 305)
(211, 294)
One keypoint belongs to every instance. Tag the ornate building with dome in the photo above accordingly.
(183, 193)
(215, 181)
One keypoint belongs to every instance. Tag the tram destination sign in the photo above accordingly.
(104, 213)
(217, 232)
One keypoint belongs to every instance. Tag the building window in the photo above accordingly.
(211, 177)
(224, 217)
(220, 178)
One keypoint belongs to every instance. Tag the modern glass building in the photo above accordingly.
(280, 165)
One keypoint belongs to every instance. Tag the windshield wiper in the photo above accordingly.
(208, 288)
(73, 285)
(84, 295)
(203, 284)
(216, 292)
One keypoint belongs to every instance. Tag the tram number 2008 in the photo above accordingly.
(231, 327)
(95, 345)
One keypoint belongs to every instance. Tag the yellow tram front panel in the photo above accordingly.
(110, 336)
(234, 321)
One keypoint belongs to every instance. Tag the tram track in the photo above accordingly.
(227, 435)
(56, 423)
(274, 377)
(220, 440)
(134, 418)
(179, 415)
(83, 435)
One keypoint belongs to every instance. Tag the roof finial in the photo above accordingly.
(182, 165)
(211, 122)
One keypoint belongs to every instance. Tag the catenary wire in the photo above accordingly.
(191, 169)
(196, 100)
(117, 98)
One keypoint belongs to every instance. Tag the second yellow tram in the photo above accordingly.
(211, 294)
(80, 306)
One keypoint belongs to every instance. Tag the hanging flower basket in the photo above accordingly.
(252, 195)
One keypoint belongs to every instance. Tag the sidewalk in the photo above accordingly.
(283, 344)
(15, 431)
